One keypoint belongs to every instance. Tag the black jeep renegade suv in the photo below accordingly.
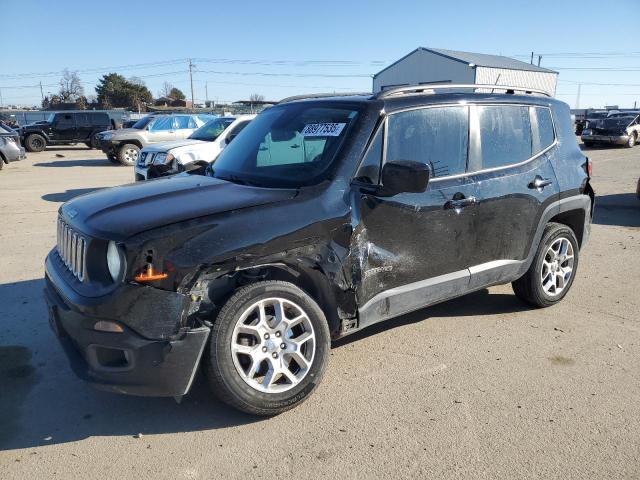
(326, 215)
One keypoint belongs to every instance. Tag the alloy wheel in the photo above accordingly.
(557, 267)
(273, 345)
(131, 155)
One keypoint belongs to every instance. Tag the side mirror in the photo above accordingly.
(404, 176)
(199, 167)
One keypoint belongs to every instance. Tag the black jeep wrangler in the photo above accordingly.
(325, 216)
(64, 128)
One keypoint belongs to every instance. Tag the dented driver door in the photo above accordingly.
(414, 249)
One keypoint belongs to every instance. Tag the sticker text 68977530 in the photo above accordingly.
(322, 129)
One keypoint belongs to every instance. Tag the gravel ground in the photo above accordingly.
(479, 387)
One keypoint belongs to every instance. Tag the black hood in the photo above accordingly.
(120, 212)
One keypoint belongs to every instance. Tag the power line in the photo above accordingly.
(296, 75)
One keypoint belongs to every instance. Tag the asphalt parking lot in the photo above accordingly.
(479, 387)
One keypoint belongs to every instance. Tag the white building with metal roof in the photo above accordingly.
(436, 65)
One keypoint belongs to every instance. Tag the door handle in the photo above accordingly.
(459, 204)
(539, 183)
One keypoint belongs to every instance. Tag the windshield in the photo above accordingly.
(289, 146)
(211, 130)
(142, 123)
(616, 121)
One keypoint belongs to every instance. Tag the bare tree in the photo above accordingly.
(256, 97)
(70, 86)
(165, 91)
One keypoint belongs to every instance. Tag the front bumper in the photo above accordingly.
(611, 139)
(109, 147)
(126, 362)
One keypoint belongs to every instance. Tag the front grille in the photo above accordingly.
(72, 248)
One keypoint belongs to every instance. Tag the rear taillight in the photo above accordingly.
(589, 168)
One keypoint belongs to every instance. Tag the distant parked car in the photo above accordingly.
(581, 123)
(63, 128)
(124, 145)
(202, 146)
(613, 130)
(10, 148)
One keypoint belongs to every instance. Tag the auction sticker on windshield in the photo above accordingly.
(322, 129)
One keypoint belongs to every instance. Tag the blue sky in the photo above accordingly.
(290, 47)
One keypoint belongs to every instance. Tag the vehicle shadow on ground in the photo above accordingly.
(600, 146)
(71, 148)
(43, 403)
(620, 209)
(65, 196)
(477, 303)
(94, 162)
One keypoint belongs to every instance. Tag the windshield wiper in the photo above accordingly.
(238, 180)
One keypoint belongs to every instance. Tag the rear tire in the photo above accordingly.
(255, 341)
(553, 269)
(128, 154)
(35, 143)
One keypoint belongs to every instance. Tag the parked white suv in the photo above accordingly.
(203, 145)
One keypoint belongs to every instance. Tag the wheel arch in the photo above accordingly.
(219, 287)
(574, 219)
(132, 141)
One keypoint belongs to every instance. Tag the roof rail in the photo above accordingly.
(431, 88)
(323, 95)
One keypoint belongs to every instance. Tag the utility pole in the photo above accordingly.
(578, 97)
(191, 65)
(539, 59)
(41, 93)
(206, 93)
(1, 103)
(531, 58)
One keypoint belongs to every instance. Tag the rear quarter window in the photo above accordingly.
(543, 134)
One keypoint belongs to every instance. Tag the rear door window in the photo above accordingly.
(165, 123)
(505, 135)
(436, 136)
(182, 122)
(82, 120)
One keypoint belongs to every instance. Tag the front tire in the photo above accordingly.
(633, 139)
(35, 143)
(268, 349)
(128, 154)
(553, 269)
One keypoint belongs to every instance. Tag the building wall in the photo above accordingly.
(517, 78)
(423, 67)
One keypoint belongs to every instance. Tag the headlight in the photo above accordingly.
(163, 159)
(10, 140)
(114, 261)
(586, 132)
(106, 136)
